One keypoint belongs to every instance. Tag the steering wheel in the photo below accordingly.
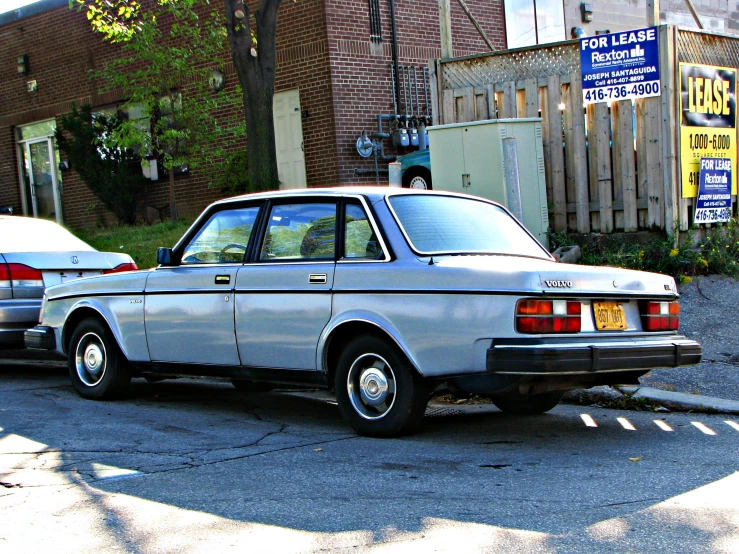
(229, 246)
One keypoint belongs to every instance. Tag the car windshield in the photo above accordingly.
(436, 224)
(26, 234)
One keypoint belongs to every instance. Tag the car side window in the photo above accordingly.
(360, 240)
(297, 232)
(223, 239)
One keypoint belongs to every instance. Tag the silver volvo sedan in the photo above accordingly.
(380, 294)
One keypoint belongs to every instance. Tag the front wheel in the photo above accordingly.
(97, 367)
(378, 392)
(519, 404)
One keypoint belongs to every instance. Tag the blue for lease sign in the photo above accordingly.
(620, 66)
(714, 191)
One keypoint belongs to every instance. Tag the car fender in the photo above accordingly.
(367, 317)
(127, 325)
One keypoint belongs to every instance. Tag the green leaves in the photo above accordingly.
(168, 55)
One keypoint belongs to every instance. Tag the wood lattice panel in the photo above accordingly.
(697, 47)
(561, 58)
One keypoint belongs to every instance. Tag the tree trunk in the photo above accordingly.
(172, 200)
(257, 77)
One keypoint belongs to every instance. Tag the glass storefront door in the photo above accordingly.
(41, 183)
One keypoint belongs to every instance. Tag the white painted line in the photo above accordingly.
(733, 424)
(102, 471)
(626, 424)
(703, 428)
(662, 425)
(589, 421)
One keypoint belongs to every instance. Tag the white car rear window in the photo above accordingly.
(26, 234)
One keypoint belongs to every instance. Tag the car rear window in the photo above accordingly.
(26, 234)
(436, 224)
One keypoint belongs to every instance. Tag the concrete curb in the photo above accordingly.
(678, 401)
(684, 401)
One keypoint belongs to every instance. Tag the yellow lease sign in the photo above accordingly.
(707, 121)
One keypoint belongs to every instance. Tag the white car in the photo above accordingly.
(36, 254)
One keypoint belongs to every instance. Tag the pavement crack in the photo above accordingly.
(196, 464)
(628, 502)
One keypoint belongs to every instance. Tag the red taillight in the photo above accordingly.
(122, 267)
(548, 316)
(21, 275)
(661, 316)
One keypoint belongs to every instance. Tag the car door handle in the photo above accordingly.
(317, 278)
(223, 279)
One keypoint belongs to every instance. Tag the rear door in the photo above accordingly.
(283, 298)
(189, 308)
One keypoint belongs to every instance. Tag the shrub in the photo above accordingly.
(112, 174)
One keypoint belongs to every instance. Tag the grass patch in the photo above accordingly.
(139, 241)
(717, 254)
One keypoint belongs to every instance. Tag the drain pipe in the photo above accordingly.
(395, 53)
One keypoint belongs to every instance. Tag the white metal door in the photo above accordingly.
(289, 139)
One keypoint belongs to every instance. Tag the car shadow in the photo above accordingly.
(286, 460)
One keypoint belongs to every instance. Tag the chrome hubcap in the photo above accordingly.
(90, 359)
(371, 386)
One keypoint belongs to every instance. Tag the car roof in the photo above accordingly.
(374, 193)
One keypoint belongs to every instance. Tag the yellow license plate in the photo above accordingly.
(609, 316)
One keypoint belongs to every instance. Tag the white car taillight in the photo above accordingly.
(22, 280)
(122, 267)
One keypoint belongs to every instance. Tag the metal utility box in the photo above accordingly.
(469, 158)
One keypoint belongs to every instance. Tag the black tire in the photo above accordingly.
(519, 404)
(393, 398)
(97, 367)
(417, 177)
(248, 387)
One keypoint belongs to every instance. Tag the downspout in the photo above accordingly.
(394, 49)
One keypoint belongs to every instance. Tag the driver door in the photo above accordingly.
(189, 308)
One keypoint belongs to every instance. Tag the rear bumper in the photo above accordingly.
(563, 358)
(40, 337)
(15, 317)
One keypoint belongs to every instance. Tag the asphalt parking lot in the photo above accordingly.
(193, 466)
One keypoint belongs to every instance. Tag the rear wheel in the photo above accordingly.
(97, 367)
(378, 392)
(519, 404)
(417, 178)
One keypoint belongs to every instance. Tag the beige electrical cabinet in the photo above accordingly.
(468, 157)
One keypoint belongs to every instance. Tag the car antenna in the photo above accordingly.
(431, 261)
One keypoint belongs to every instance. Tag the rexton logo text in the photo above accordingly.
(559, 284)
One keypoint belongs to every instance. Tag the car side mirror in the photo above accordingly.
(164, 256)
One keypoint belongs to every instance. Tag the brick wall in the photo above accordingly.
(323, 49)
(361, 80)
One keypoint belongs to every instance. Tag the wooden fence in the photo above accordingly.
(608, 167)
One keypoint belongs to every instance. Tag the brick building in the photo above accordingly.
(332, 82)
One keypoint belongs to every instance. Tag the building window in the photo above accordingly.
(531, 22)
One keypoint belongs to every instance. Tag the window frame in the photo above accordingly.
(179, 248)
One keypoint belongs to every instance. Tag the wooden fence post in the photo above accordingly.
(579, 156)
(668, 137)
(623, 161)
(556, 156)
